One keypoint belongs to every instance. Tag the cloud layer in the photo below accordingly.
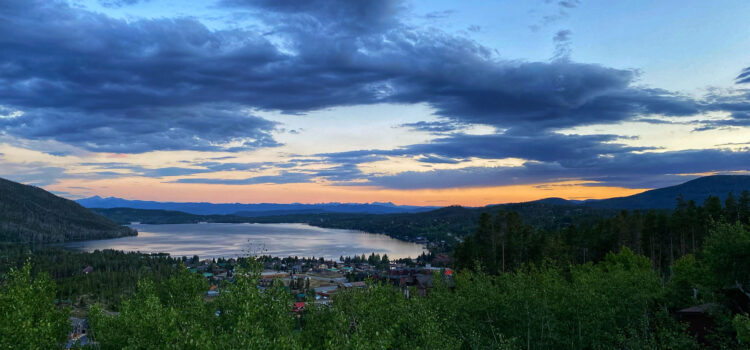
(133, 86)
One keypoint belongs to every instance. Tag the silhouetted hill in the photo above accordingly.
(259, 209)
(31, 214)
(126, 216)
(666, 198)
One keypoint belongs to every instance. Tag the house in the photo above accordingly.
(424, 284)
(349, 285)
(273, 274)
(88, 270)
(79, 334)
(325, 292)
(442, 258)
(326, 289)
(299, 307)
(698, 319)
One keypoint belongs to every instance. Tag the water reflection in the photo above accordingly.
(232, 240)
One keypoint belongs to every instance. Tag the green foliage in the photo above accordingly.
(741, 324)
(28, 316)
(612, 304)
(689, 284)
(727, 255)
(172, 315)
(175, 315)
(378, 318)
(115, 273)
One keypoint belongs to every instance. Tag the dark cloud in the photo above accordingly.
(199, 168)
(433, 127)
(439, 14)
(538, 147)
(283, 178)
(560, 11)
(134, 130)
(569, 3)
(112, 85)
(337, 17)
(738, 119)
(133, 86)
(562, 44)
(120, 3)
(344, 172)
(744, 76)
(645, 170)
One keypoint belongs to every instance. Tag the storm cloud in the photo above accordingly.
(99, 82)
(645, 170)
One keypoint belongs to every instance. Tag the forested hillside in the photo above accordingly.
(31, 214)
(505, 240)
(664, 198)
(125, 216)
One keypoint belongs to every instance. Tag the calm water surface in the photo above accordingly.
(232, 240)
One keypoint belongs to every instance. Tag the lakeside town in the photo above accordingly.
(308, 280)
(317, 280)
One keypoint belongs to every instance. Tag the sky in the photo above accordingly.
(412, 102)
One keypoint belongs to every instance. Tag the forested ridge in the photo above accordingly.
(30, 214)
(504, 240)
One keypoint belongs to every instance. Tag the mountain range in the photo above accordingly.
(661, 198)
(252, 210)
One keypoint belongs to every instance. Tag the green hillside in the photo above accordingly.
(31, 214)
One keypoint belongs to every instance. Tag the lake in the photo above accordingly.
(231, 240)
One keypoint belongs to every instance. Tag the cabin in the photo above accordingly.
(699, 319)
(88, 270)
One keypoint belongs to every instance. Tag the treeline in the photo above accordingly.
(374, 260)
(114, 274)
(504, 241)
